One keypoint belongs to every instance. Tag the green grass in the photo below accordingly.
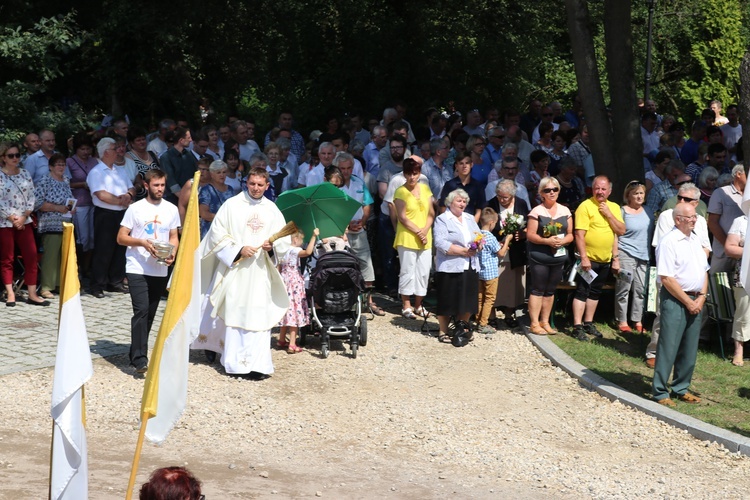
(619, 358)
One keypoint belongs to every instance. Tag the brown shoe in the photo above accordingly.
(548, 328)
(689, 398)
(666, 402)
(537, 329)
(651, 362)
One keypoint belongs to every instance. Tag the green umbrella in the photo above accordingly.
(323, 206)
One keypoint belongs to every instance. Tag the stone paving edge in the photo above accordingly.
(701, 430)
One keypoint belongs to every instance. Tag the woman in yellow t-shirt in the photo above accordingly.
(415, 212)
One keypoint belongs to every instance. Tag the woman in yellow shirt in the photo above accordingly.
(415, 211)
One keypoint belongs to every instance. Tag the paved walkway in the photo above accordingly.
(29, 333)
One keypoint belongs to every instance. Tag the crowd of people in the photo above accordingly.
(464, 201)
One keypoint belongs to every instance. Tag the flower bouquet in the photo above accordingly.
(551, 229)
(477, 241)
(512, 224)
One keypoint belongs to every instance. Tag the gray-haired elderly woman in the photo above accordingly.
(213, 195)
(513, 265)
(457, 264)
(707, 181)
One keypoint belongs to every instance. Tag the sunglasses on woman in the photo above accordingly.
(13, 155)
(550, 190)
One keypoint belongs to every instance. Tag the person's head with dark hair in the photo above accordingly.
(154, 173)
(714, 135)
(460, 140)
(398, 127)
(180, 133)
(648, 121)
(708, 115)
(661, 156)
(536, 156)
(56, 158)
(461, 155)
(82, 139)
(341, 141)
(334, 176)
(412, 166)
(171, 483)
(135, 132)
(545, 128)
(717, 155)
(400, 139)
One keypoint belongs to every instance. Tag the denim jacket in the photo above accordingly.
(447, 232)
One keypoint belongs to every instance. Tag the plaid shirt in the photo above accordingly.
(488, 260)
(298, 143)
(659, 194)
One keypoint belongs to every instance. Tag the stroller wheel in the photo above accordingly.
(362, 331)
(354, 348)
(324, 350)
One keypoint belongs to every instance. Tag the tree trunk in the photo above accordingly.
(628, 147)
(590, 88)
(745, 106)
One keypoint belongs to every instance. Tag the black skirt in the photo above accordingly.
(457, 293)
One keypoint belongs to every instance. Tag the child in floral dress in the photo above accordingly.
(297, 315)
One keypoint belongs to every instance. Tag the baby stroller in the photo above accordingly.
(337, 285)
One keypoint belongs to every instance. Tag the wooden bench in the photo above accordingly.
(565, 289)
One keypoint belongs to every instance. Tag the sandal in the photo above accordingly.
(377, 311)
(735, 362)
(282, 345)
(548, 328)
(293, 349)
(46, 294)
(639, 328)
(444, 338)
(537, 329)
(408, 313)
(624, 328)
(421, 311)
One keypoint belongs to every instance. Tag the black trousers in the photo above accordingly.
(145, 294)
(108, 259)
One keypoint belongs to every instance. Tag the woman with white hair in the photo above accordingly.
(457, 265)
(513, 266)
(707, 182)
(213, 195)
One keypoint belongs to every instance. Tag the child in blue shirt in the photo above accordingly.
(489, 260)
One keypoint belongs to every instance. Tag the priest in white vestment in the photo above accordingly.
(243, 293)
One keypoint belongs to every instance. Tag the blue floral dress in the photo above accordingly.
(53, 191)
(298, 313)
(209, 195)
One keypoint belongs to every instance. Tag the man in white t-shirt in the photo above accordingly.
(146, 221)
(732, 130)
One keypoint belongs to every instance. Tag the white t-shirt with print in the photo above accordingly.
(148, 221)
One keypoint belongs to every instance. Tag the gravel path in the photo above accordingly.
(410, 418)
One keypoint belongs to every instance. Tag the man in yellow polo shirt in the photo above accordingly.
(598, 223)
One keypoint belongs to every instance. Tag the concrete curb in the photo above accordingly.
(590, 380)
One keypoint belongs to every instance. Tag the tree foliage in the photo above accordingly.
(716, 54)
(154, 59)
(32, 61)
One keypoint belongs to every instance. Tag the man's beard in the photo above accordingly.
(397, 157)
